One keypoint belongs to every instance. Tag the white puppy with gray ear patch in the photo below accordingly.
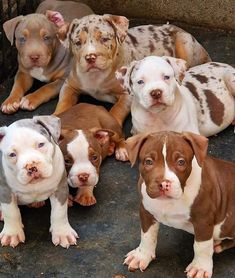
(204, 103)
(32, 170)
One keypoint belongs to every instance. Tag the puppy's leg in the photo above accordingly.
(121, 151)
(22, 83)
(12, 233)
(223, 245)
(121, 108)
(43, 94)
(85, 196)
(145, 252)
(67, 98)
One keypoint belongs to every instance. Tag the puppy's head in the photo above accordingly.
(153, 81)
(28, 148)
(35, 38)
(95, 40)
(167, 160)
(83, 152)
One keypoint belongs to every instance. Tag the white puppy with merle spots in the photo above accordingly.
(32, 170)
(204, 103)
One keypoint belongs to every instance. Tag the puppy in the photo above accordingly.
(41, 55)
(32, 170)
(205, 103)
(102, 44)
(89, 134)
(180, 186)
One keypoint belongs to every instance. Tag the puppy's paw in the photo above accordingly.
(12, 236)
(121, 154)
(29, 102)
(195, 270)
(10, 105)
(64, 235)
(85, 199)
(137, 259)
(37, 204)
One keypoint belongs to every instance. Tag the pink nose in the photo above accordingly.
(34, 57)
(83, 177)
(91, 58)
(165, 185)
(156, 94)
(31, 169)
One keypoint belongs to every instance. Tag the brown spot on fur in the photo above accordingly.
(192, 89)
(133, 39)
(155, 37)
(151, 28)
(123, 71)
(85, 29)
(151, 46)
(201, 78)
(216, 65)
(216, 107)
(140, 30)
(147, 219)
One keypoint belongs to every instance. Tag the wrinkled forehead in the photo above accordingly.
(91, 24)
(153, 66)
(34, 23)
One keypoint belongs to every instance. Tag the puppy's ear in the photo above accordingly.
(10, 26)
(51, 123)
(179, 66)
(103, 135)
(58, 20)
(133, 146)
(199, 145)
(123, 75)
(120, 25)
(3, 131)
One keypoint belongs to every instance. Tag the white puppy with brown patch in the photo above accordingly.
(204, 103)
(32, 170)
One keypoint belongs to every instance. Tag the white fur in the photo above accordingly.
(78, 149)
(37, 73)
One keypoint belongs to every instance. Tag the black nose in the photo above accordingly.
(91, 58)
(156, 94)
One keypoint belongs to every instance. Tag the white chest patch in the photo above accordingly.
(37, 73)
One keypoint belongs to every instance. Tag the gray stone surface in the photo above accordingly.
(110, 229)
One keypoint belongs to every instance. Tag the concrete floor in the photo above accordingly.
(110, 229)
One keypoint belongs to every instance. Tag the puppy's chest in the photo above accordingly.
(38, 73)
(171, 212)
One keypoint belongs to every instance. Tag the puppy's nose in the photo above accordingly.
(83, 177)
(165, 185)
(91, 58)
(156, 94)
(31, 169)
(34, 57)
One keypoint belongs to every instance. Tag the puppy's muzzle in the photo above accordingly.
(91, 58)
(156, 94)
(32, 170)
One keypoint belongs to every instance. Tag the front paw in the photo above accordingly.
(137, 259)
(85, 199)
(197, 270)
(64, 235)
(10, 105)
(12, 236)
(121, 154)
(29, 102)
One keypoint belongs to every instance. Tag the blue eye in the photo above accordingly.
(22, 40)
(140, 82)
(40, 145)
(12, 154)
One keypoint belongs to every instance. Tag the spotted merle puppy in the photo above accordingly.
(102, 44)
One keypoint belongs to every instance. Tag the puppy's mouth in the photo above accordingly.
(93, 68)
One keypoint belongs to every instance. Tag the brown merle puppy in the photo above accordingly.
(102, 44)
(180, 186)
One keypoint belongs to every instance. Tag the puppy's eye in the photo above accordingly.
(46, 38)
(22, 40)
(181, 162)
(94, 157)
(148, 161)
(78, 43)
(166, 77)
(104, 40)
(40, 145)
(12, 155)
(67, 161)
(140, 82)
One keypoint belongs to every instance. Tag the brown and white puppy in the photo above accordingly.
(89, 134)
(180, 186)
(102, 44)
(167, 97)
(41, 55)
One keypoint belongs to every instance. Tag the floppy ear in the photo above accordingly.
(103, 135)
(179, 66)
(9, 27)
(199, 145)
(51, 123)
(120, 25)
(133, 146)
(3, 131)
(123, 75)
